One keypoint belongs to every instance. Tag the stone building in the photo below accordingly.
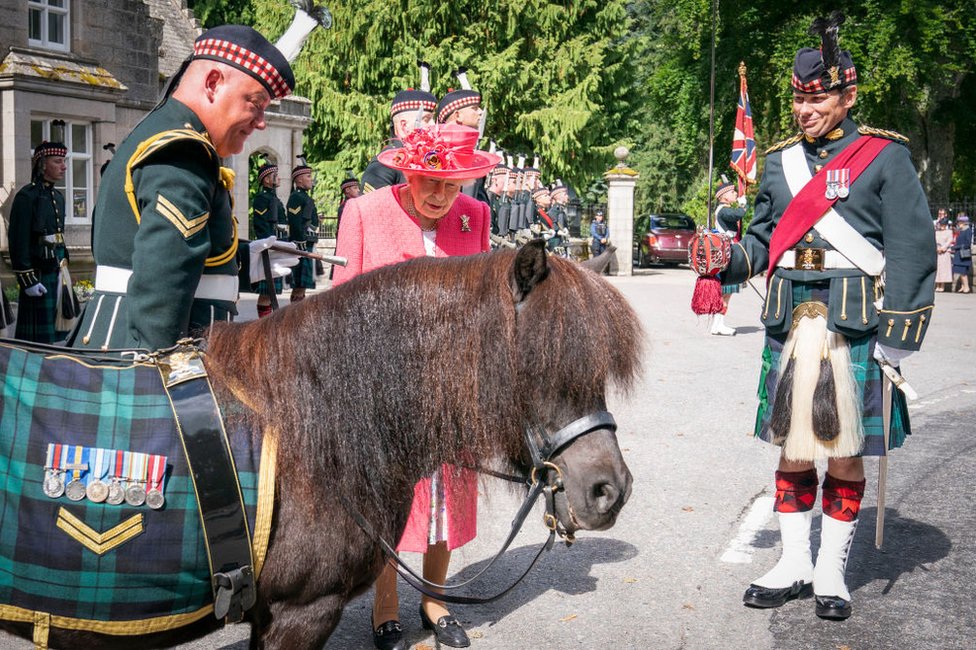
(85, 72)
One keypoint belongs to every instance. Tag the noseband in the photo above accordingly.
(543, 447)
(545, 478)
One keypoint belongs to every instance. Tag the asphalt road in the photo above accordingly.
(698, 529)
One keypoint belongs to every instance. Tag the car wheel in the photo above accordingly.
(641, 259)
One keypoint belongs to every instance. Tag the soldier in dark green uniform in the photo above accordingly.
(37, 248)
(303, 230)
(496, 193)
(268, 219)
(463, 106)
(411, 109)
(165, 241)
(838, 205)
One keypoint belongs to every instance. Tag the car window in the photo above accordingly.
(673, 222)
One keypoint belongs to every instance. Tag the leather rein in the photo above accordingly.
(544, 479)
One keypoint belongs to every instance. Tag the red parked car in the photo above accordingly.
(662, 239)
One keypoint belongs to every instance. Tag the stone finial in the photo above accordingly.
(621, 168)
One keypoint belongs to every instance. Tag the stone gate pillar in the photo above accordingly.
(621, 181)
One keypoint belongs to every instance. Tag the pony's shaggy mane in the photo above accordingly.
(445, 341)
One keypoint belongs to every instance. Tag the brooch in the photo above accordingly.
(465, 223)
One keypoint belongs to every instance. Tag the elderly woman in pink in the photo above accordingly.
(425, 216)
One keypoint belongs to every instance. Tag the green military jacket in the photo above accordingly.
(887, 206)
(164, 239)
(267, 213)
(377, 175)
(303, 220)
(36, 232)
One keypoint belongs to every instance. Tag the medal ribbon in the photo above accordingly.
(81, 455)
(102, 460)
(157, 468)
(119, 464)
(53, 456)
(137, 468)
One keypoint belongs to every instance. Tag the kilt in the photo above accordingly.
(867, 377)
(79, 559)
(36, 316)
(302, 275)
(261, 287)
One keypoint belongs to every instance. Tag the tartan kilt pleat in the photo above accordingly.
(36, 316)
(867, 378)
(261, 288)
(302, 275)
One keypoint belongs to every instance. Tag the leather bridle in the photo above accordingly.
(545, 478)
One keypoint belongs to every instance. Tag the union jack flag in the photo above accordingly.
(744, 140)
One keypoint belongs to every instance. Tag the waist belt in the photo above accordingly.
(814, 259)
(112, 279)
(215, 481)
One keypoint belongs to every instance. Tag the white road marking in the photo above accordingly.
(740, 549)
(913, 406)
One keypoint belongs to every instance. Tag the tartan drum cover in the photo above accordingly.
(80, 561)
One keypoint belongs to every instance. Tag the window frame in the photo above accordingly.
(68, 185)
(47, 11)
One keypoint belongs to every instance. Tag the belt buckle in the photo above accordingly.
(809, 259)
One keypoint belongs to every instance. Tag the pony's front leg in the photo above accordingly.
(296, 627)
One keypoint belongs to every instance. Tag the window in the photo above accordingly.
(47, 24)
(77, 183)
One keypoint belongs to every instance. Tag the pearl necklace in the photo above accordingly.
(412, 211)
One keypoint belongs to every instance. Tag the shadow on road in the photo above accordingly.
(566, 570)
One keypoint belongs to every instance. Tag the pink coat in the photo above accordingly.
(376, 231)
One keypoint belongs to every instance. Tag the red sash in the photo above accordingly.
(546, 217)
(810, 203)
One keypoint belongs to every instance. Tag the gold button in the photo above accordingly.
(823, 154)
(809, 238)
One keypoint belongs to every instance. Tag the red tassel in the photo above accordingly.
(707, 298)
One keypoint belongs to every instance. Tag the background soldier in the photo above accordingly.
(411, 109)
(303, 227)
(349, 188)
(165, 242)
(37, 244)
(268, 219)
(837, 205)
(728, 219)
(463, 107)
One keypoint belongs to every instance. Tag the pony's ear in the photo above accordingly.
(530, 268)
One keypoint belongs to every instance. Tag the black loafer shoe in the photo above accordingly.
(389, 636)
(447, 630)
(765, 597)
(834, 608)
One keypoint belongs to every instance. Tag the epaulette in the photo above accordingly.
(782, 144)
(882, 133)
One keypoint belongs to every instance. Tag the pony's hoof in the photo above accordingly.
(389, 636)
(447, 630)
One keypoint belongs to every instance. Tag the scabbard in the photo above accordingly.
(887, 386)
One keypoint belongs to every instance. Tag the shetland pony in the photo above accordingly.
(370, 386)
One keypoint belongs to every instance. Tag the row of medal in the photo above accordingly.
(104, 475)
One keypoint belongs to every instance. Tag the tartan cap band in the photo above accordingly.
(266, 170)
(49, 149)
(810, 75)
(413, 105)
(247, 50)
(349, 181)
(301, 169)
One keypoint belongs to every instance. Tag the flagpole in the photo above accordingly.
(711, 121)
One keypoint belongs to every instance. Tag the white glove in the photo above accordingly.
(36, 291)
(280, 261)
(741, 201)
(894, 356)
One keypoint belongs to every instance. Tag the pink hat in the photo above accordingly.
(443, 151)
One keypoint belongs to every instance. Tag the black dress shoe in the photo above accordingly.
(447, 630)
(757, 596)
(389, 636)
(833, 607)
